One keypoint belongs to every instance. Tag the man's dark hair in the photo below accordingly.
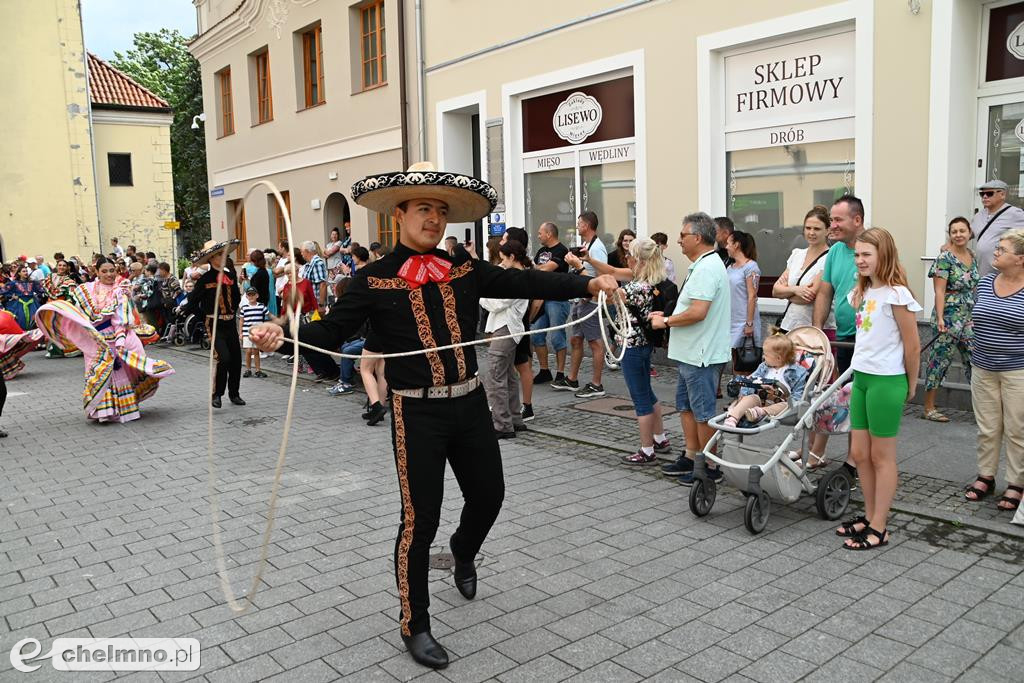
(552, 228)
(725, 223)
(164, 265)
(453, 238)
(518, 235)
(660, 238)
(361, 253)
(151, 269)
(150, 254)
(854, 204)
(404, 206)
(374, 246)
(59, 256)
(590, 218)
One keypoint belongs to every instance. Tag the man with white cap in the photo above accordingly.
(995, 218)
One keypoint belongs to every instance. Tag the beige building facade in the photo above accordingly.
(308, 96)
(86, 150)
(645, 110)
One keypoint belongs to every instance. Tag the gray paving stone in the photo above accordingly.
(605, 671)
(474, 638)
(255, 669)
(713, 664)
(361, 655)
(311, 672)
(588, 651)
(909, 630)
(541, 670)
(530, 645)
(844, 669)
(905, 672)
(753, 642)
(882, 653)
(778, 667)
(479, 666)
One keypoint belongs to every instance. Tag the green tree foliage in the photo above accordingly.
(161, 62)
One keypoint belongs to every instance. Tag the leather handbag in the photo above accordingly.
(748, 356)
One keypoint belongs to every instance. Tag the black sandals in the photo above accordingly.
(990, 482)
(1009, 503)
(862, 542)
(847, 530)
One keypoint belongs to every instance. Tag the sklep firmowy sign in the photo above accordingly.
(577, 117)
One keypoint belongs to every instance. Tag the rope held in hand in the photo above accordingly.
(621, 327)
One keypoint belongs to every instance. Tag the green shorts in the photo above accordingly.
(876, 403)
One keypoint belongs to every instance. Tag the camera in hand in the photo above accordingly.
(578, 252)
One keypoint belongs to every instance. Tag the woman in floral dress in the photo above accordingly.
(58, 286)
(955, 275)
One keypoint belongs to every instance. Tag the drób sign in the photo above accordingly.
(577, 117)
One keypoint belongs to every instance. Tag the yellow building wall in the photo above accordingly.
(48, 202)
(136, 214)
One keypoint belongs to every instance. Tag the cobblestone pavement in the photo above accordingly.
(593, 571)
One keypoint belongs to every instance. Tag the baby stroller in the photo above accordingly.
(763, 474)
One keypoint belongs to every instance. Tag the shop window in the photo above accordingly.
(279, 228)
(372, 53)
(120, 169)
(313, 67)
(387, 231)
(609, 190)
(262, 89)
(771, 189)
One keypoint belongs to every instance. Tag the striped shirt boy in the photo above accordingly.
(252, 314)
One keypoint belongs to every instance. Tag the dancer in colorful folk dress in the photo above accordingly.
(14, 343)
(58, 285)
(22, 297)
(100, 321)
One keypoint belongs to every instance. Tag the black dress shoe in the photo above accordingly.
(425, 650)
(215, 402)
(505, 435)
(520, 428)
(237, 400)
(3, 434)
(465, 576)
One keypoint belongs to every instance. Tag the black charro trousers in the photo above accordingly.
(427, 433)
(228, 352)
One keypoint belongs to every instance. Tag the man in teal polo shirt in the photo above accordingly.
(840, 275)
(698, 340)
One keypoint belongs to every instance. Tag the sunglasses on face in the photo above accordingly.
(988, 193)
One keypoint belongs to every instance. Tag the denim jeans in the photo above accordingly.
(696, 390)
(636, 370)
(348, 365)
(553, 313)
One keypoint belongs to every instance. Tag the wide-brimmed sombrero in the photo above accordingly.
(468, 198)
(211, 248)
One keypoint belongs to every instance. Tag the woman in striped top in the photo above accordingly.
(997, 382)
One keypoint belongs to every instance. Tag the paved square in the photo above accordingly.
(593, 571)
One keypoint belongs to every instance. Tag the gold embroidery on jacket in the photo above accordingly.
(419, 311)
(452, 319)
(387, 283)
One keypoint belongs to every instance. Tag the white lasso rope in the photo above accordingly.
(622, 329)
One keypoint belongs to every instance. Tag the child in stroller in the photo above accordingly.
(765, 391)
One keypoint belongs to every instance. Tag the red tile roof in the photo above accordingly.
(108, 86)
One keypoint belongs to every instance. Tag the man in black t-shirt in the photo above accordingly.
(550, 257)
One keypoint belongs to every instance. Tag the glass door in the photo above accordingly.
(551, 196)
(1001, 145)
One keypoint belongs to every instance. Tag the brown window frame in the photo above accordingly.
(239, 228)
(282, 231)
(376, 9)
(313, 67)
(264, 88)
(387, 230)
(227, 110)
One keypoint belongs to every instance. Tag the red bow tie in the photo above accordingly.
(417, 270)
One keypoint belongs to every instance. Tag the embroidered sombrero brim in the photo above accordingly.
(468, 198)
(210, 250)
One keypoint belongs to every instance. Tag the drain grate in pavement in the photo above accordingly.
(613, 405)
